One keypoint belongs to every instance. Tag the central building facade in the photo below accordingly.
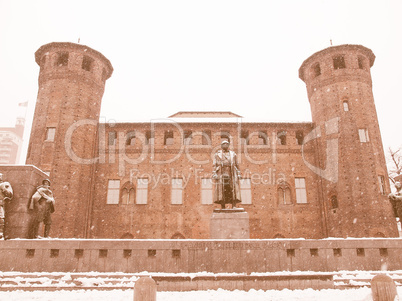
(325, 178)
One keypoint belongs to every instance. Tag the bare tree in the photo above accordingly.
(394, 163)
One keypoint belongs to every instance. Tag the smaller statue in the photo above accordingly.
(226, 176)
(42, 203)
(396, 200)
(6, 194)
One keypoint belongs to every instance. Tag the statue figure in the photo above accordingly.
(6, 194)
(226, 176)
(396, 200)
(42, 203)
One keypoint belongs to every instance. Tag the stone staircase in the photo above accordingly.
(10, 281)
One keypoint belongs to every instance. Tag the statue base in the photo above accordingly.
(233, 210)
(229, 224)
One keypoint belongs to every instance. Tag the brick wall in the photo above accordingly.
(189, 256)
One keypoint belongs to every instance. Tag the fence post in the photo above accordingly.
(383, 288)
(145, 289)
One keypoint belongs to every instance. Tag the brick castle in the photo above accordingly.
(325, 178)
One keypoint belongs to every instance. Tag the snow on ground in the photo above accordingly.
(222, 295)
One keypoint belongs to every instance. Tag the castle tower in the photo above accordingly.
(352, 173)
(64, 131)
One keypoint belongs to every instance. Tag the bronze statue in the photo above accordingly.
(42, 203)
(396, 200)
(6, 194)
(226, 176)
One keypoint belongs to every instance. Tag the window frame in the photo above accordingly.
(364, 136)
(245, 191)
(176, 196)
(207, 191)
(339, 62)
(381, 180)
(141, 196)
(301, 190)
(50, 134)
(113, 192)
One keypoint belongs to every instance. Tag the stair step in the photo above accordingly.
(10, 281)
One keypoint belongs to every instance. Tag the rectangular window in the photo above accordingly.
(316, 70)
(301, 195)
(142, 191)
(87, 63)
(168, 139)
(339, 62)
(245, 190)
(62, 59)
(50, 134)
(112, 138)
(149, 138)
(188, 137)
(262, 138)
(363, 135)
(177, 191)
(206, 191)
(345, 106)
(381, 182)
(244, 137)
(113, 190)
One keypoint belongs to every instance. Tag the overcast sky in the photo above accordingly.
(170, 56)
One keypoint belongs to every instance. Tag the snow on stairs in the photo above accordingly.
(10, 281)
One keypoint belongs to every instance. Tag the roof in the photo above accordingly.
(205, 114)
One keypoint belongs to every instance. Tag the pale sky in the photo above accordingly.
(170, 56)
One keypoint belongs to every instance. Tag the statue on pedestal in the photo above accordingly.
(226, 176)
(6, 194)
(396, 200)
(42, 203)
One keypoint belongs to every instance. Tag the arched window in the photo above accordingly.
(334, 202)
(281, 137)
(262, 138)
(130, 138)
(178, 235)
(244, 137)
(127, 235)
(127, 194)
(299, 137)
(284, 194)
(345, 106)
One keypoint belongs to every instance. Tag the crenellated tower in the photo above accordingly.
(64, 131)
(352, 171)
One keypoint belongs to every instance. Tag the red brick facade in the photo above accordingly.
(96, 168)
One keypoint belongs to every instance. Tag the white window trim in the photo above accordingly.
(381, 180)
(245, 191)
(113, 192)
(177, 191)
(363, 135)
(301, 191)
(206, 191)
(141, 197)
(50, 133)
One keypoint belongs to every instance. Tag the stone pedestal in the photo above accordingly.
(229, 224)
